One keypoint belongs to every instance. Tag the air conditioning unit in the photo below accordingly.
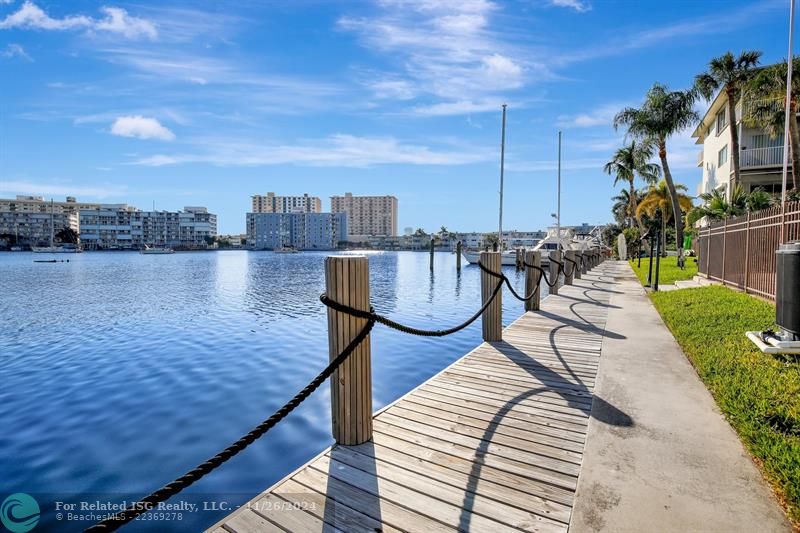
(787, 297)
(787, 305)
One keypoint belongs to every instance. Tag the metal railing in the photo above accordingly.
(740, 251)
(761, 157)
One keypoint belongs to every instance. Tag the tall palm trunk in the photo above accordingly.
(634, 207)
(734, 138)
(794, 142)
(673, 195)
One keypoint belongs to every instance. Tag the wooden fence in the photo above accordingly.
(740, 251)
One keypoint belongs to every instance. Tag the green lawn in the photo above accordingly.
(668, 271)
(759, 394)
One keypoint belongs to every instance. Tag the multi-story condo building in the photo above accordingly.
(760, 156)
(304, 231)
(367, 216)
(272, 203)
(33, 228)
(37, 204)
(118, 226)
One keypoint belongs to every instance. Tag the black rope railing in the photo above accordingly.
(372, 315)
(543, 274)
(574, 266)
(189, 478)
(169, 490)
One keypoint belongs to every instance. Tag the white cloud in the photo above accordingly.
(60, 189)
(117, 21)
(338, 150)
(15, 50)
(601, 116)
(445, 50)
(463, 107)
(141, 128)
(578, 5)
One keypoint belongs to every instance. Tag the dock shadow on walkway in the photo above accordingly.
(492, 443)
(680, 466)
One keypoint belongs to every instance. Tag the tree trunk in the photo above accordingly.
(734, 151)
(794, 143)
(673, 194)
(634, 208)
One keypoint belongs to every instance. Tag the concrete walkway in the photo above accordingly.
(676, 465)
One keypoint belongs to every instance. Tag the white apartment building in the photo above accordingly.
(118, 226)
(760, 157)
(271, 203)
(367, 216)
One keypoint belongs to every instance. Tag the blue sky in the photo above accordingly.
(207, 103)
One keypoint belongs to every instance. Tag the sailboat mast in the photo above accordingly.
(558, 206)
(52, 224)
(502, 164)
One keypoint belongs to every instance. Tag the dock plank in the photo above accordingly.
(494, 442)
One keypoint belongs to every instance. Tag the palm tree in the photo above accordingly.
(662, 114)
(629, 161)
(717, 206)
(621, 209)
(731, 75)
(764, 101)
(658, 201)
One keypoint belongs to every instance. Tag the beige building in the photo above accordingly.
(760, 156)
(367, 216)
(37, 204)
(271, 203)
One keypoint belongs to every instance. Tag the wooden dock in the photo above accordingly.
(492, 443)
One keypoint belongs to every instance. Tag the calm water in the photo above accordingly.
(121, 371)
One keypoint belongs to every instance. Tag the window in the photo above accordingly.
(722, 120)
(722, 157)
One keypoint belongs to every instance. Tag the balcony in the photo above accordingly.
(700, 159)
(761, 157)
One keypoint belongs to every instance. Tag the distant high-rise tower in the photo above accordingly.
(367, 215)
(286, 204)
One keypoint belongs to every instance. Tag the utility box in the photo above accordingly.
(787, 296)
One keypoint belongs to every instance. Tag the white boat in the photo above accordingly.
(155, 250)
(16, 248)
(286, 250)
(509, 257)
(60, 249)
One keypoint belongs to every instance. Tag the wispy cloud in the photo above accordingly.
(141, 128)
(15, 50)
(654, 35)
(601, 116)
(578, 5)
(443, 50)
(116, 21)
(338, 150)
(61, 188)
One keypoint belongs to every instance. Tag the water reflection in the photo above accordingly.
(121, 371)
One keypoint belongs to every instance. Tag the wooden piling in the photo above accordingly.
(569, 267)
(347, 282)
(492, 317)
(554, 270)
(458, 255)
(584, 262)
(531, 277)
(432, 243)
